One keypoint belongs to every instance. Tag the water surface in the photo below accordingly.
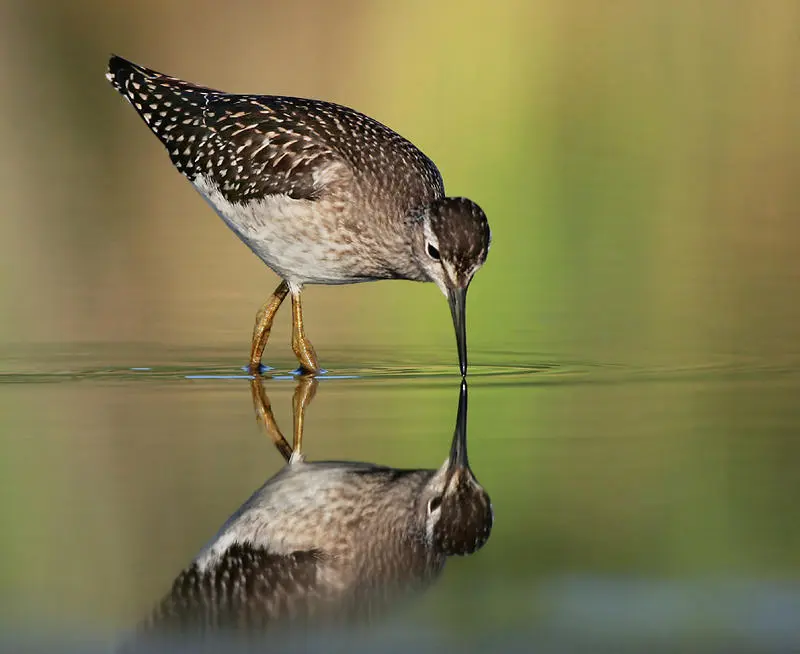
(634, 505)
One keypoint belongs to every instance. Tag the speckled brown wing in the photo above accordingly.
(237, 142)
(247, 588)
(252, 146)
(262, 146)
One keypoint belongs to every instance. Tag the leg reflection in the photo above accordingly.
(303, 395)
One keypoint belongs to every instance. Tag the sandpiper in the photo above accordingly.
(330, 541)
(321, 193)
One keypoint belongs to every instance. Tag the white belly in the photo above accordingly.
(290, 236)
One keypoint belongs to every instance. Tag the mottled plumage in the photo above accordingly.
(321, 193)
(246, 587)
(332, 541)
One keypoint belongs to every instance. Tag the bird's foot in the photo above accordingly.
(257, 368)
(302, 371)
(306, 356)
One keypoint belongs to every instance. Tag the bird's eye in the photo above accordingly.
(433, 252)
(434, 503)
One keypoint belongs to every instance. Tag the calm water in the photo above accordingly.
(637, 509)
(634, 335)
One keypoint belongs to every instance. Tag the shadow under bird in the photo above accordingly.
(321, 193)
(329, 542)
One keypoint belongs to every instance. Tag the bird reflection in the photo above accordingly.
(329, 541)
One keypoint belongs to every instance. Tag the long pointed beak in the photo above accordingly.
(458, 450)
(457, 299)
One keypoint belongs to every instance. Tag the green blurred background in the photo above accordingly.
(638, 163)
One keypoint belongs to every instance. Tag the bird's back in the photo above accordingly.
(257, 145)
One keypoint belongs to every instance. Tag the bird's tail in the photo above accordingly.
(133, 80)
(121, 73)
(168, 105)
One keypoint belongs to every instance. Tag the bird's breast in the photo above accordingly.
(305, 241)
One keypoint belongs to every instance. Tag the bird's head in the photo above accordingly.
(457, 510)
(451, 243)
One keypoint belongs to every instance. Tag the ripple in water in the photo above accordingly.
(154, 363)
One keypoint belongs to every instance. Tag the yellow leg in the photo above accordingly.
(303, 394)
(264, 416)
(264, 318)
(301, 346)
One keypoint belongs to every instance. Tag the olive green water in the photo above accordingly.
(634, 336)
(635, 506)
